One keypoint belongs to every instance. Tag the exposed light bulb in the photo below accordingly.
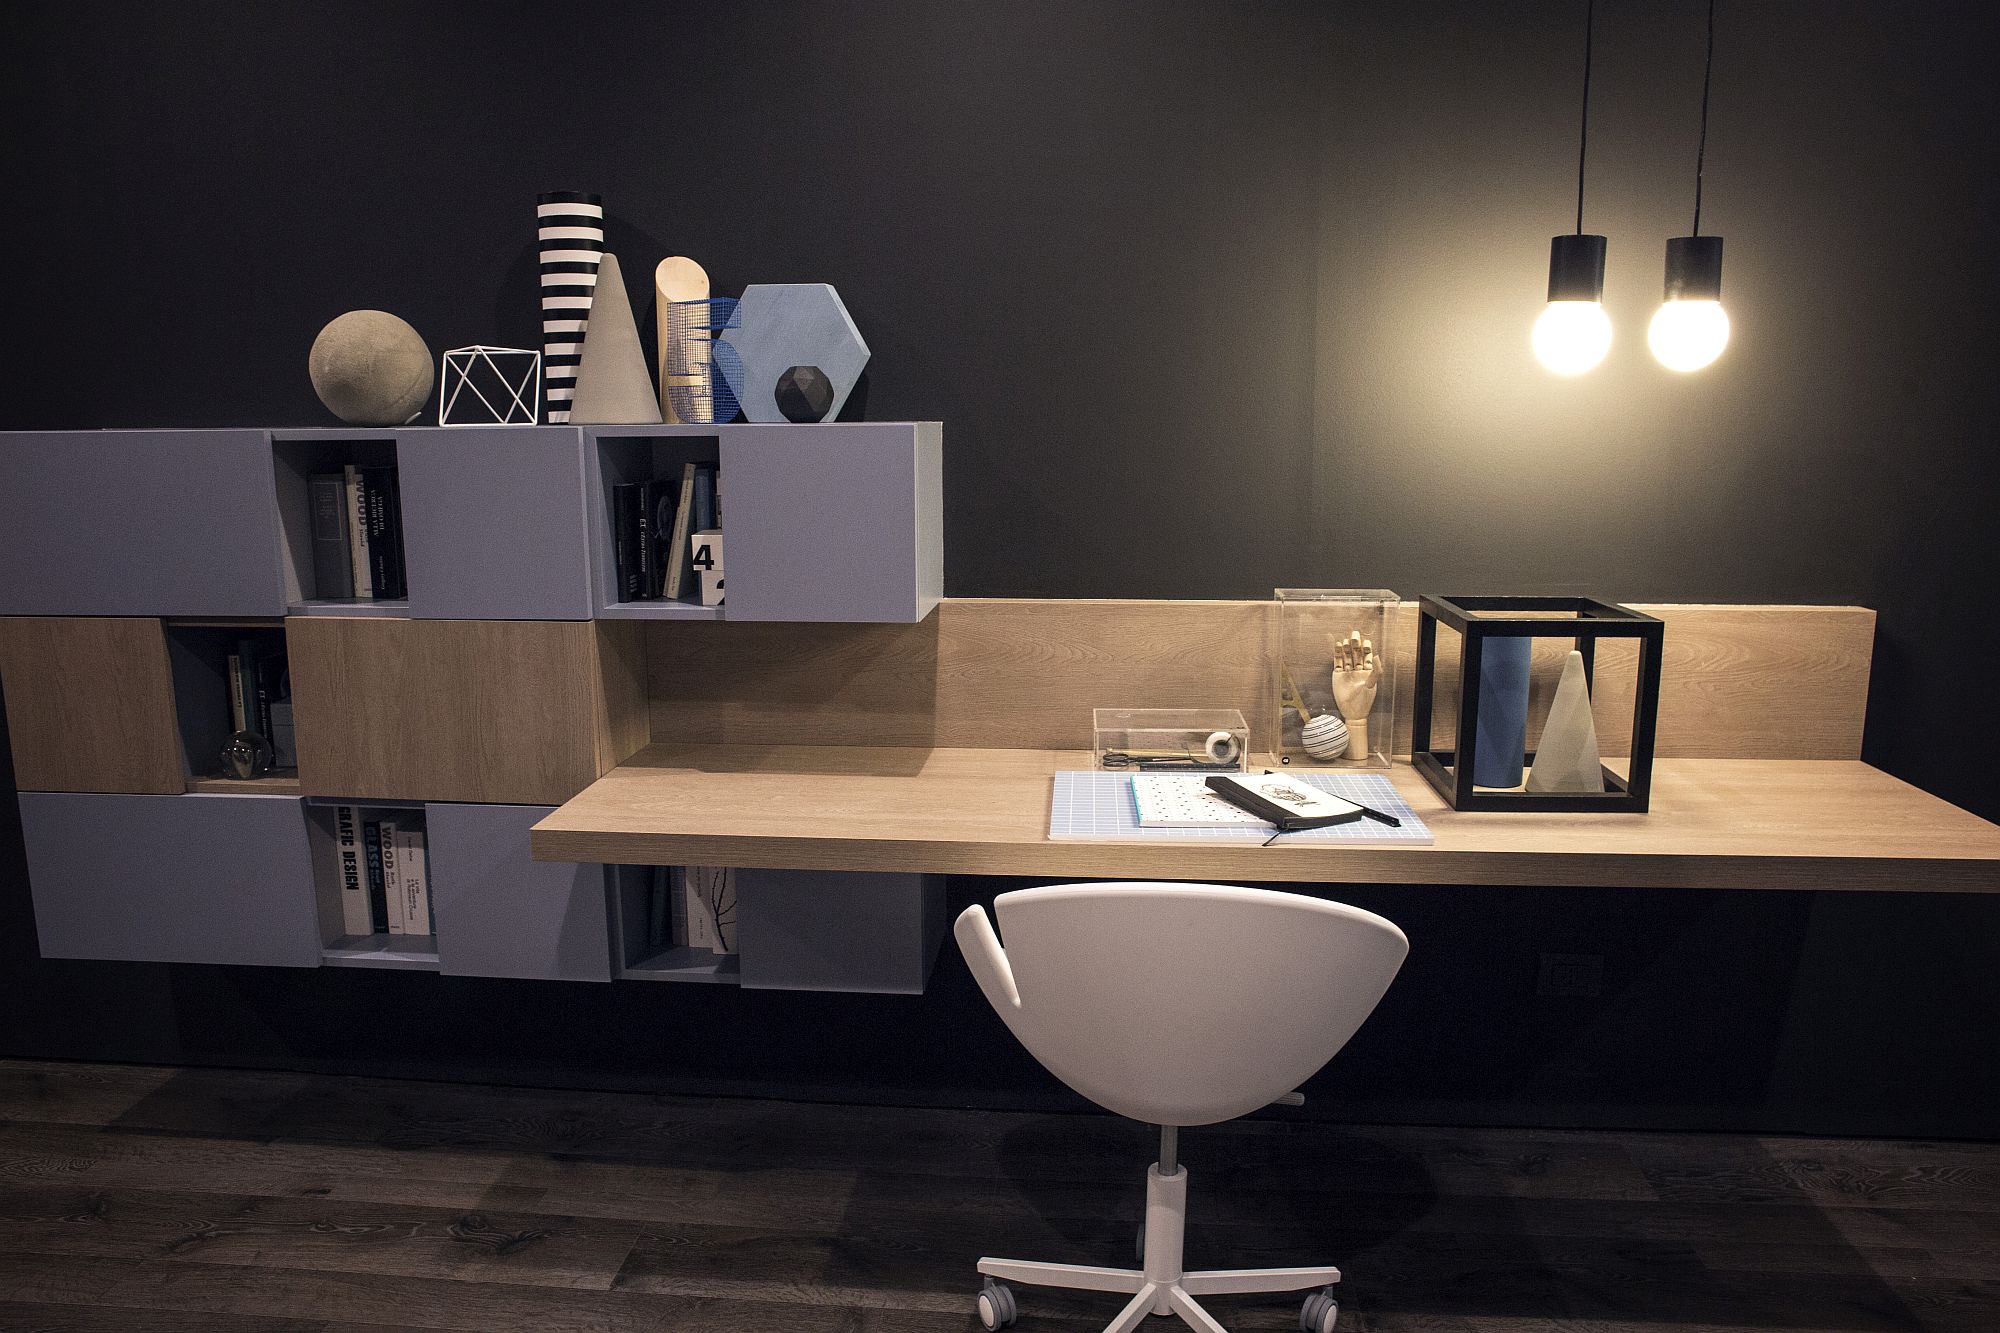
(1572, 337)
(1688, 335)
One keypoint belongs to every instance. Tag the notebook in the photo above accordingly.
(1183, 800)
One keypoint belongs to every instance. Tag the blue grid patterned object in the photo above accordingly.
(1092, 806)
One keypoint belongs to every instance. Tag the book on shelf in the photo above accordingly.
(647, 540)
(284, 735)
(412, 879)
(333, 567)
(239, 714)
(665, 505)
(355, 915)
(392, 881)
(659, 932)
(628, 501)
(378, 888)
(361, 570)
(702, 905)
(273, 685)
(382, 506)
(674, 586)
(703, 517)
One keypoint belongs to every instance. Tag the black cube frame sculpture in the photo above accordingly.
(1478, 619)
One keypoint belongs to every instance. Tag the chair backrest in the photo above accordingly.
(1180, 1004)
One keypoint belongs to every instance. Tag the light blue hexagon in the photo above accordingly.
(781, 325)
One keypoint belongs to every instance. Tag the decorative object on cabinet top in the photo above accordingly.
(371, 368)
(490, 386)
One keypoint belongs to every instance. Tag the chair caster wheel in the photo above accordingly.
(996, 1306)
(1319, 1313)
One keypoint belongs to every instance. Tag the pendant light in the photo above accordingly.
(1691, 328)
(1574, 333)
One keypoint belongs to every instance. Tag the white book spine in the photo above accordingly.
(709, 902)
(415, 880)
(357, 535)
(237, 710)
(351, 875)
(392, 892)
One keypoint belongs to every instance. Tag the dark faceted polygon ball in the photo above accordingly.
(804, 394)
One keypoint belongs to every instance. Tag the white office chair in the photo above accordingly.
(1176, 1004)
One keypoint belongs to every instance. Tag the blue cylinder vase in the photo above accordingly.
(1501, 741)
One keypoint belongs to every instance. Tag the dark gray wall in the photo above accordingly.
(1213, 297)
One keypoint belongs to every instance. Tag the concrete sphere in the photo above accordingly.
(372, 369)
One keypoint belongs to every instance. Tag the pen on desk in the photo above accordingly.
(1375, 815)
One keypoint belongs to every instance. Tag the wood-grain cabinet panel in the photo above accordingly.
(90, 704)
(515, 711)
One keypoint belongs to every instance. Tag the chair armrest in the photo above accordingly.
(986, 958)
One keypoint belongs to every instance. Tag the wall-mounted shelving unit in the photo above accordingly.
(133, 562)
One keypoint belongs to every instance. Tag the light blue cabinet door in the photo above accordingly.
(500, 914)
(494, 526)
(139, 523)
(837, 930)
(833, 522)
(198, 878)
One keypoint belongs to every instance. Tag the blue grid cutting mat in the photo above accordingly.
(1097, 807)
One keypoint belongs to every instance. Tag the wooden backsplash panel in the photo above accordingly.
(1782, 682)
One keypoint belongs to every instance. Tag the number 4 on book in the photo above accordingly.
(705, 558)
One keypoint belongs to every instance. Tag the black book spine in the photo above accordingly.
(378, 888)
(375, 517)
(401, 576)
(649, 541)
(625, 505)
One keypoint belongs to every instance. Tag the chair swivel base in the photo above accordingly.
(1162, 1287)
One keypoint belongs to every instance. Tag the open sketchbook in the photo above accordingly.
(1098, 806)
(1183, 800)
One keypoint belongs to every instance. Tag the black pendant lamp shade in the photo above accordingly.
(1694, 268)
(1576, 267)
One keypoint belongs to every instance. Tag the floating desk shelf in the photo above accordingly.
(1716, 823)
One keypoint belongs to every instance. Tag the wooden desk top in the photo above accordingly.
(1715, 823)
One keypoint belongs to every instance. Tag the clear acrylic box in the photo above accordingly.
(1317, 626)
(1170, 740)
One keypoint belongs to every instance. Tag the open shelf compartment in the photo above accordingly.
(638, 950)
(339, 946)
(819, 930)
(198, 655)
(296, 457)
(622, 455)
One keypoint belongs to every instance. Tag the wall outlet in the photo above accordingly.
(1575, 974)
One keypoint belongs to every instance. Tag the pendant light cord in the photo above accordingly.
(1583, 133)
(1701, 146)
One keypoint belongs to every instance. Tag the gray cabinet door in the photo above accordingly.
(139, 523)
(500, 914)
(173, 879)
(838, 930)
(832, 522)
(494, 526)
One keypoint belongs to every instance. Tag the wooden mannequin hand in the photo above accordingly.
(1356, 673)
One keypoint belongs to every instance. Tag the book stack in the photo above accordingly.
(357, 532)
(652, 525)
(692, 907)
(382, 870)
(260, 693)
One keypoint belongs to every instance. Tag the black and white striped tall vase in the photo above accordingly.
(571, 231)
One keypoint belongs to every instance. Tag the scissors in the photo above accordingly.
(1183, 763)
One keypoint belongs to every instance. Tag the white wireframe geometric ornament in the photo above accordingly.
(490, 386)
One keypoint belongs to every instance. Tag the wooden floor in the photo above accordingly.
(166, 1200)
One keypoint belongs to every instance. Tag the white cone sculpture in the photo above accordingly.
(1567, 759)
